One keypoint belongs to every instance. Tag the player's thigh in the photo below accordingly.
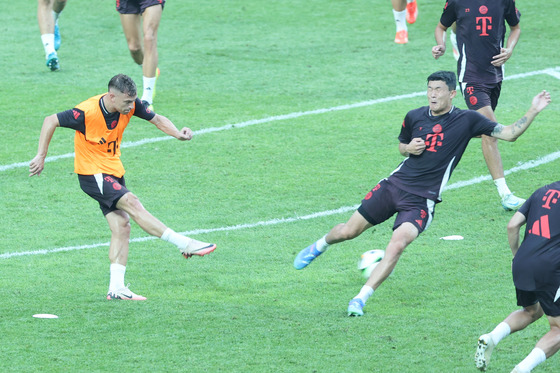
(356, 225)
(403, 236)
(151, 19)
(118, 221)
(488, 113)
(130, 204)
(379, 204)
(131, 27)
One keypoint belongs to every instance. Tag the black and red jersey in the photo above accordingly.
(446, 137)
(480, 35)
(536, 266)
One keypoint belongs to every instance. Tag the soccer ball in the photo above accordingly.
(369, 260)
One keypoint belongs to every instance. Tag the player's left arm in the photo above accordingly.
(166, 126)
(513, 228)
(505, 53)
(513, 131)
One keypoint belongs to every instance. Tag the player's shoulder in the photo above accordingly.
(552, 186)
(471, 114)
(451, 4)
(90, 103)
(422, 111)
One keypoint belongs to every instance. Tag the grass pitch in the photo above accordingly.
(297, 107)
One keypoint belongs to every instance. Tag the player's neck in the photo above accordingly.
(439, 113)
(106, 105)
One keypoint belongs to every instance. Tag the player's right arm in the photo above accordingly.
(415, 147)
(513, 228)
(439, 49)
(49, 126)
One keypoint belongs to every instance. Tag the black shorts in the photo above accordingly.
(478, 95)
(105, 189)
(385, 200)
(545, 298)
(136, 6)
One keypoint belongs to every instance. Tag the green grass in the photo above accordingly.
(244, 308)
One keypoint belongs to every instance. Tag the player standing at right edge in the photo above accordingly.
(536, 275)
(480, 68)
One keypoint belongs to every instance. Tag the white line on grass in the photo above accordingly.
(555, 72)
(477, 180)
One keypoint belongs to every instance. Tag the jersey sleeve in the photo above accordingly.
(73, 118)
(481, 124)
(524, 209)
(406, 130)
(448, 16)
(141, 112)
(512, 15)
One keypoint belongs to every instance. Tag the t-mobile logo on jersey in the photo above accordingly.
(484, 24)
(551, 196)
(434, 139)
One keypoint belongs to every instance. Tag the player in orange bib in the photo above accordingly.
(99, 123)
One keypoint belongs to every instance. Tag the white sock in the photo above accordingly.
(149, 85)
(503, 189)
(322, 244)
(365, 293)
(175, 238)
(48, 43)
(400, 20)
(501, 331)
(536, 357)
(116, 280)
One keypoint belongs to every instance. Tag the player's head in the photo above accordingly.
(446, 76)
(123, 84)
(122, 94)
(441, 91)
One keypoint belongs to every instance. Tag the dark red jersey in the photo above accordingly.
(446, 137)
(480, 35)
(536, 266)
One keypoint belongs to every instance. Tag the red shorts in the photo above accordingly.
(136, 6)
(385, 200)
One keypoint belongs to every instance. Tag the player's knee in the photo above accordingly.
(134, 47)
(150, 38)
(535, 311)
(122, 229)
(346, 232)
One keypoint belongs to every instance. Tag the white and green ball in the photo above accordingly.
(369, 260)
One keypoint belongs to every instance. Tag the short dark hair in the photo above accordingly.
(123, 84)
(446, 76)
